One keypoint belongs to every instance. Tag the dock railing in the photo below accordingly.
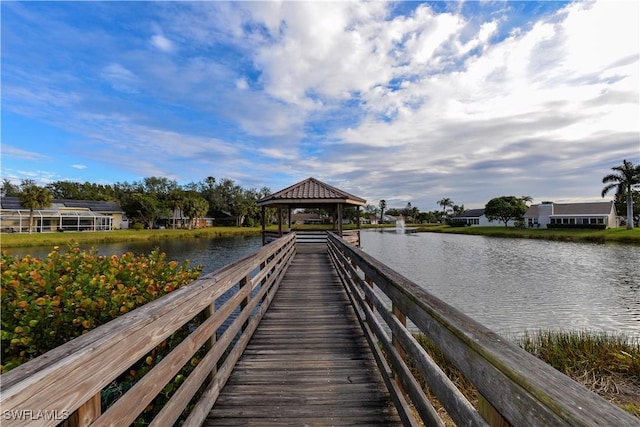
(67, 381)
(515, 388)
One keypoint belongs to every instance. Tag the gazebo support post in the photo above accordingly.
(264, 225)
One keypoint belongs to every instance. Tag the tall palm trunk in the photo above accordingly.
(31, 221)
(629, 208)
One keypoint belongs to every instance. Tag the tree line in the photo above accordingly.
(153, 199)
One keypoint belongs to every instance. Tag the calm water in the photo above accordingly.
(509, 285)
(513, 285)
(209, 253)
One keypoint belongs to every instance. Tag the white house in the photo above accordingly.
(477, 217)
(61, 215)
(571, 214)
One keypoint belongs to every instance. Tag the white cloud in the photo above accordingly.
(162, 43)
(79, 166)
(120, 78)
(19, 153)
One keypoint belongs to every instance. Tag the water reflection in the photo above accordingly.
(212, 254)
(513, 285)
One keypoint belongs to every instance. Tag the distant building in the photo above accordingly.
(61, 215)
(307, 218)
(477, 217)
(571, 214)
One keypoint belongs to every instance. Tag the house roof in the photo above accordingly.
(311, 192)
(470, 213)
(13, 203)
(595, 208)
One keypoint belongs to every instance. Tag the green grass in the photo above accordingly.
(51, 239)
(607, 364)
(613, 235)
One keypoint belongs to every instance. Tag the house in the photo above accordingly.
(571, 215)
(61, 215)
(477, 217)
(307, 218)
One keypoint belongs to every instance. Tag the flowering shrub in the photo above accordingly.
(47, 302)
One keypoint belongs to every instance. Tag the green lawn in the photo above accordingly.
(616, 235)
(49, 239)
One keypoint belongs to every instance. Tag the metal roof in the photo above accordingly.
(311, 192)
(13, 203)
(595, 208)
(470, 213)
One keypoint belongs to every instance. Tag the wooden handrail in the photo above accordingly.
(518, 388)
(70, 376)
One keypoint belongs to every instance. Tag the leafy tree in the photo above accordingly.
(457, 210)
(382, 205)
(505, 208)
(148, 209)
(9, 189)
(81, 191)
(623, 180)
(195, 207)
(34, 197)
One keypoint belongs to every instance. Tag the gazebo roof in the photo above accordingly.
(311, 192)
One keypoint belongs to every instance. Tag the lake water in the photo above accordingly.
(513, 285)
(509, 285)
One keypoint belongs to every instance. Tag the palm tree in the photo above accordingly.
(445, 202)
(623, 180)
(33, 197)
(527, 199)
(383, 206)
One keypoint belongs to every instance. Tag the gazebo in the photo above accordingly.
(310, 193)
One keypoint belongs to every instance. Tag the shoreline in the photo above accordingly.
(618, 235)
(93, 237)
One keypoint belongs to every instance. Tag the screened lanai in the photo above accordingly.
(60, 215)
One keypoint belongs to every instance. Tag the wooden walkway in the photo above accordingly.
(308, 363)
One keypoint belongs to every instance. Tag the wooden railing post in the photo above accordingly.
(85, 414)
(209, 312)
(402, 318)
(245, 301)
(369, 282)
(491, 414)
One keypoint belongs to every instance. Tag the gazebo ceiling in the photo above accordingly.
(311, 193)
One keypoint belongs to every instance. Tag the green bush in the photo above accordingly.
(578, 226)
(47, 302)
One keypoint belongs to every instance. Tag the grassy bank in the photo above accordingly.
(613, 235)
(606, 364)
(91, 237)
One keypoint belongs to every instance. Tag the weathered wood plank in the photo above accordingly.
(308, 363)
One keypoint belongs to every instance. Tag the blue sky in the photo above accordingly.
(402, 101)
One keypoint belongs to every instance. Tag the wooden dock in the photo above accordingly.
(316, 334)
(308, 362)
